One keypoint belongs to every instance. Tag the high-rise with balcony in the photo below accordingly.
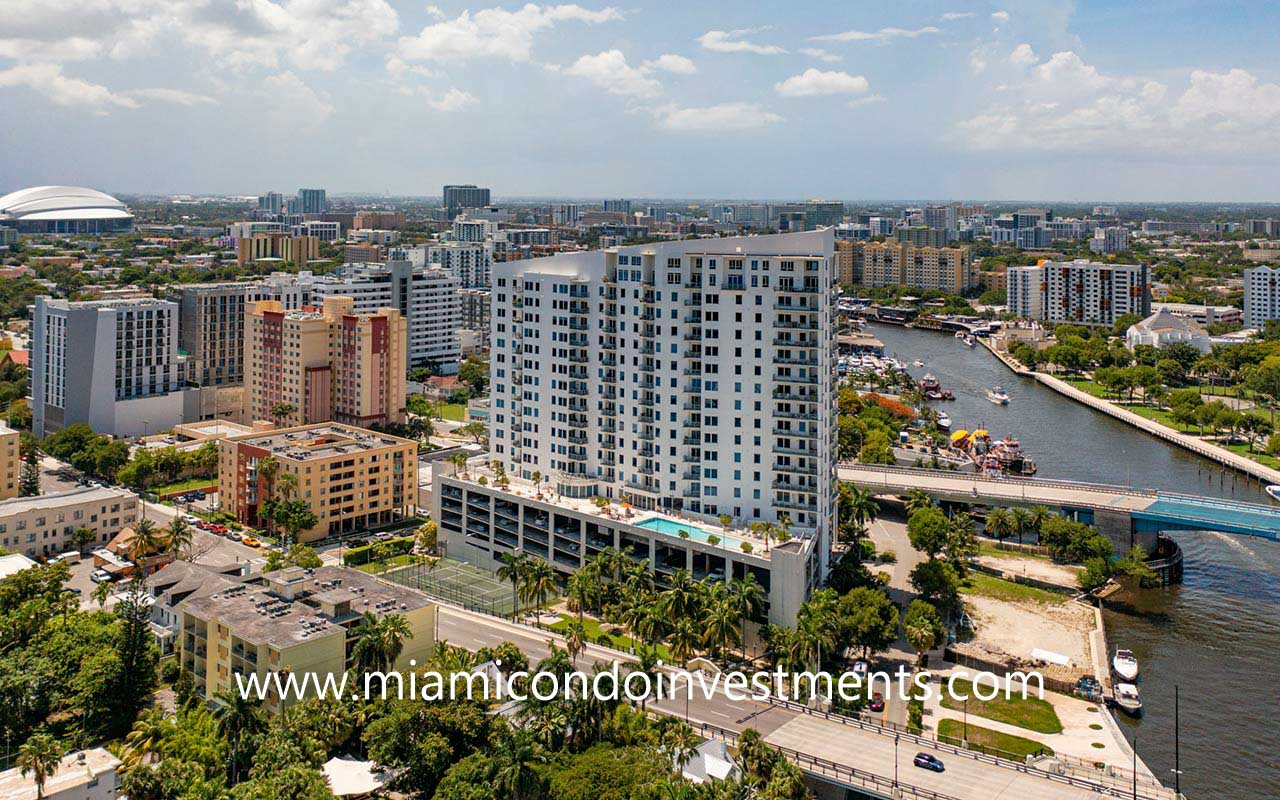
(692, 377)
(466, 195)
(1261, 296)
(327, 364)
(1079, 291)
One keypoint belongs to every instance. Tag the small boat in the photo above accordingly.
(1125, 665)
(930, 384)
(1127, 699)
(969, 341)
(944, 421)
(960, 334)
(997, 395)
(1273, 491)
(917, 363)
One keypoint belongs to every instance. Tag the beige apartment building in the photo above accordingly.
(900, 264)
(350, 478)
(10, 462)
(293, 622)
(45, 525)
(327, 364)
(297, 250)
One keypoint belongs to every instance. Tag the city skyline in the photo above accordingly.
(930, 99)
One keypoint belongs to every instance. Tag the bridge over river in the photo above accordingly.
(1120, 512)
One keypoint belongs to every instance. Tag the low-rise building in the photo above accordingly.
(1164, 328)
(85, 775)
(350, 478)
(293, 621)
(45, 525)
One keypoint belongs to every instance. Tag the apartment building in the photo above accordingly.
(45, 525)
(1110, 240)
(10, 462)
(351, 478)
(92, 774)
(333, 363)
(1080, 291)
(113, 364)
(293, 621)
(297, 250)
(469, 262)
(385, 220)
(1261, 296)
(692, 377)
(900, 264)
(427, 298)
(320, 229)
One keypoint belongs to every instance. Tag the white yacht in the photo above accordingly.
(1273, 491)
(1125, 665)
(998, 396)
(944, 421)
(1127, 699)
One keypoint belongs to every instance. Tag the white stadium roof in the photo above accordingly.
(60, 202)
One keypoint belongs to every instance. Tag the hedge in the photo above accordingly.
(363, 555)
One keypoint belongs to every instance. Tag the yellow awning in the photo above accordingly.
(979, 434)
(958, 435)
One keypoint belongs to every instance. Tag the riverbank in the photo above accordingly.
(1207, 450)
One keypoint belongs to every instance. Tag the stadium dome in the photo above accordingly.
(63, 209)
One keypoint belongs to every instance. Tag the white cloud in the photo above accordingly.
(453, 100)
(951, 16)
(815, 82)
(174, 97)
(494, 32)
(62, 90)
(1230, 113)
(717, 118)
(670, 62)
(400, 69)
(290, 101)
(1000, 17)
(732, 42)
(1023, 55)
(883, 35)
(871, 99)
(610, 71)
(72, 48)
(820, 54)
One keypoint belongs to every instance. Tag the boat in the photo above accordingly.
(997, 395)
(944, 421)
(1127, 699)
(1125, 665)
(917, 363)
(1273, 491)
(930, 384)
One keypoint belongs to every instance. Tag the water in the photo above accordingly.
(673, 528)
(1215, 635)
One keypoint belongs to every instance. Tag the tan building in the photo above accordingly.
(45, 525)
(900, 264)
(994, 281)
(329, 364)
(386, 220)
(350, 478)
(297, 250)
(10, 462)
(293, 622)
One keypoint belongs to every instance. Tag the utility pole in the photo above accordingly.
(1177, 760)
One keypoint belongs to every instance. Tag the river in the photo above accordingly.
(1215, 635)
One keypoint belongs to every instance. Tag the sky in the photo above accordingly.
(955, 100)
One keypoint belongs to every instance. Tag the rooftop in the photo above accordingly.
(86, 494)
(75, 770)
(292, 605)
(324, 440)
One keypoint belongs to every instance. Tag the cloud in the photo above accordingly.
(871, 99)
(1067, 105)
(610, 71)
(494, 33)
(718, 118)
(951, 16)
(453, 100)
(1000, 17)
(1023, 55)
(732, 42)
(173, 97)
(290, 101)
(882, 36)
(61, 90)
(814, 83)
(820, 54)
(670, 62)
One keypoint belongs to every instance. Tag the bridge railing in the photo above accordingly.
(1217, 502)
(1152, 791)
(1010, 482)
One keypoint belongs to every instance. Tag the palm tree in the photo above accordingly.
(514, 773)
(40, 755)
(101, 592)
(148, 733)
(237, 718)
(281, 411)
(1021, 521)
(922, 640)
(181, 536)
(681, 742)
(575, 640)
(393, 630)
(721, 626)
(146, 539)
(819, 622)
(916, 500)
(862, 505)
(684, 640)
(748, 600)
(288, 483)
(1037, 515)
(1000, 523)
(539, 583)
(682, 599)
(653, 624)
(366, 654)
(514, 566)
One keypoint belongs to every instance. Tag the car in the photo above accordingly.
(200, 495)
(929, 762)
(250, 541)
(235, 536)
(192, 518)
(877, 702)
(202, 525)
(100, 576)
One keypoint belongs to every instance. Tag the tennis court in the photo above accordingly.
(455, 582)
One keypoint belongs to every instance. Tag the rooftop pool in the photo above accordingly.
(673, 528)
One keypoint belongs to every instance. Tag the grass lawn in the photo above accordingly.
(986, 548)
(1031, 713)
(374, 567)
(594, 629)
(985, 740)
(999, 589)
(184, 485)
(456, 412)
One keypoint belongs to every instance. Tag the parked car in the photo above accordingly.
(877, 702)
(235, 536)
(200, 495)
(100, 576)
(250, 541)
(926, 761)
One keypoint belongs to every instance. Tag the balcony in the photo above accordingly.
(812, 433)
(796, 504)
(795, 414)
(795, 325)
(810, 378)
(811, 469)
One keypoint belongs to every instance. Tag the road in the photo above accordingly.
(870, 752)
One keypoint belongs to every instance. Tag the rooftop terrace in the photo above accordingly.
(320, 441)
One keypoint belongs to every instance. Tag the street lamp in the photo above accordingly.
(964, 740)
(895, 760)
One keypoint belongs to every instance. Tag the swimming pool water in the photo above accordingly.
(696, 533)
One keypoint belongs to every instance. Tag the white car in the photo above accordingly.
(100, 576)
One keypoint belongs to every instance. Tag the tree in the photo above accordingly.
(923, 628)
(29, 478)
(928, 530)
(474, 430)
(937, 582)
(876, 449)
(238, 719)
(295, 516)
(1000, 523)
(425, 538)
(474, 372)
(83, 537)
(180, 536)
(147, 539)
(282, 411)
(1095, 575)
(916, 500)
(869, 619)
(539, 583)
(514, 567)
(39, 756)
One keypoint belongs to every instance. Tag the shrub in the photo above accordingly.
(746, 547)
(889, 557)
(363, 555)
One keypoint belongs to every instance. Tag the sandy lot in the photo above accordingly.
(1017, 628)
(1035, 568)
